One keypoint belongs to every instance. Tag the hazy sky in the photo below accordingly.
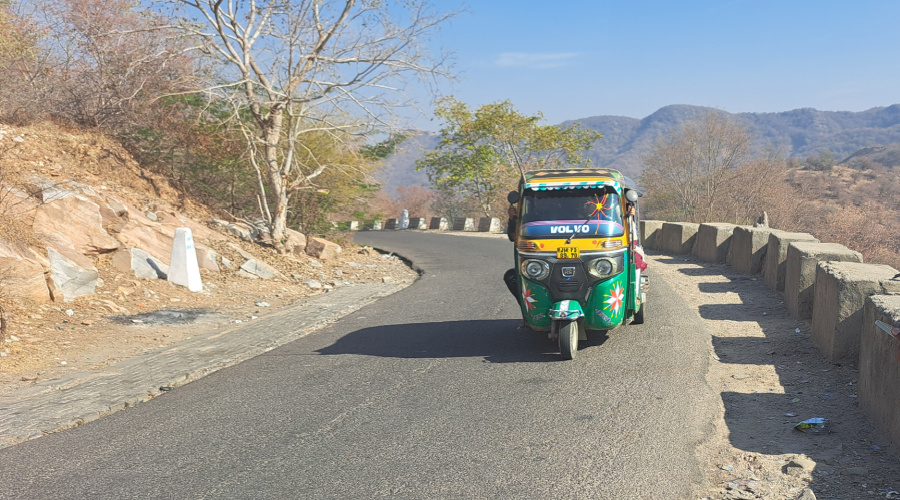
(574, 59)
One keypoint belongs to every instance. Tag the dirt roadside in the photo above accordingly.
(128, 316)
(770, 376)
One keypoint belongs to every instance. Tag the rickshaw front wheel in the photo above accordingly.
(639, 316)
(568, 338)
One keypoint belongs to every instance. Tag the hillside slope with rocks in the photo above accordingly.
(86, 238)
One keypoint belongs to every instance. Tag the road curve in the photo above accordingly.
(432, 392)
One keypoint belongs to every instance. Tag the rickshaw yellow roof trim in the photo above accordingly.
(548, 180)
(572, 184)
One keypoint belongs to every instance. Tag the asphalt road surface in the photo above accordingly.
(432, 392)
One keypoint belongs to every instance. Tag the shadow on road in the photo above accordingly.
(497, 341)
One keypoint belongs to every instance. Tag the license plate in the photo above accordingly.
(567, 253)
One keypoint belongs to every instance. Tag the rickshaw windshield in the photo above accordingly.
(586, 212)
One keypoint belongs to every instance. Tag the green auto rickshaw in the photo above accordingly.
(579, 260)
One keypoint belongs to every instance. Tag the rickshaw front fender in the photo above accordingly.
(566, 309)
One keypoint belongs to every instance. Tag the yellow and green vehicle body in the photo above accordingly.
(575, 247)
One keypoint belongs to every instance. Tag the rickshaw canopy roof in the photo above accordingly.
(549, 180)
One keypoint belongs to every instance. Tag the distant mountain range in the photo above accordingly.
(799, 133)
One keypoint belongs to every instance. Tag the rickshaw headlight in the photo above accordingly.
(535, 269)
(601, 267)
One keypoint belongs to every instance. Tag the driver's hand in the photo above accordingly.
(512, 211)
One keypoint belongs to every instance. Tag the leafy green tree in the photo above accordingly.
(479, 150)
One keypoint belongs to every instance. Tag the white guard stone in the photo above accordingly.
(184, 269)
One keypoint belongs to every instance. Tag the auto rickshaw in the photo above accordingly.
(578, 254)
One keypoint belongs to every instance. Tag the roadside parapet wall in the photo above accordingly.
(489, 225)
(679, 237)
(800, 272)
(713, 242)
(439, 224)
(776, 256)
(651, 234)
(747, 252)
(879, 365)
(463, 224)
(841, 292)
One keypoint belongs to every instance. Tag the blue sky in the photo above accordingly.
(574, 59)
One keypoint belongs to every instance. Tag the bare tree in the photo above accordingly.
(686, 172)
(296, 68)
(97, 63)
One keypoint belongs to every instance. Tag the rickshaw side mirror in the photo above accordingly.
(631, 195)
(512, 197)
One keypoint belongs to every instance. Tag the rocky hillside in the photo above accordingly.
(85, 241)
(77, 211)
(70, 199)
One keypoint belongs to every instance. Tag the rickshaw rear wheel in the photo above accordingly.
(639, 316)
(568, 339)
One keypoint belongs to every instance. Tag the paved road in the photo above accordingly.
(432, 392)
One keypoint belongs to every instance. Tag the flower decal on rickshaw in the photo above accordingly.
(596, 207)
(528, 298)
(614, 299)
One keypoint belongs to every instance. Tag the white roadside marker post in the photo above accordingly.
(183, 269)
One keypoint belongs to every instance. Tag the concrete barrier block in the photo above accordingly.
(651, 234)
(418, 223)
(748, 249)
(439, 223)
(490, 225)
(800, 272)
(679, 237)
(354, 225)
(390, 224)
(776, 256)
(463, 224)
(713, 241)
(879, 366)
(841, 292)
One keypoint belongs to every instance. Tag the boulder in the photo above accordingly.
(207, 258)
(295, 241)
(322, 249)
(21, 276)
(258, 269)
(139, 262)
(17, 203)
(68, 280)
(47, 190)
(243, 231)
(79, 219)
(151, 238)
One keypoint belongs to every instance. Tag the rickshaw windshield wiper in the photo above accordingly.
(575, 231)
